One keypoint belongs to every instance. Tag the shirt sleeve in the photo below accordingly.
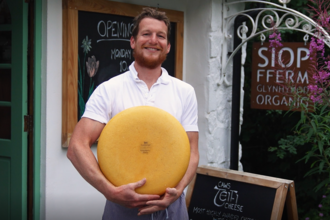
(98, 105)
(190, 112)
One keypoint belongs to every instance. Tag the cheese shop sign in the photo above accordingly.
(278, 73)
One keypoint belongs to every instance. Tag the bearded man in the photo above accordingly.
(146, 83)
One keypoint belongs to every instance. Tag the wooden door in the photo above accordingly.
(13, 107)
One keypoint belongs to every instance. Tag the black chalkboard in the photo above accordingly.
(107, 38)
(220, 194)
(222, 197)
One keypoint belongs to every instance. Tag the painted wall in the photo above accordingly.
(65, 195)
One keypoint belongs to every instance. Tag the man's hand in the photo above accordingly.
(170, 196)
(125, 195)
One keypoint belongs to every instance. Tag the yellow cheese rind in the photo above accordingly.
(144, 142)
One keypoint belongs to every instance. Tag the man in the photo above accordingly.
(146, 83)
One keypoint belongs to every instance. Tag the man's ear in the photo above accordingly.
(168, 47)
(132, 42)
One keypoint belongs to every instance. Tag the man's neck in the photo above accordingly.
(149, 76)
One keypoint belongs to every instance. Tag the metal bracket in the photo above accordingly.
(28, 123)
(270, 18)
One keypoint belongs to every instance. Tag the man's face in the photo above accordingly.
(151, 45)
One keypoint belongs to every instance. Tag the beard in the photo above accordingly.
(149, 62)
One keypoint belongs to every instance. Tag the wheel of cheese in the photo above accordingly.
(144, 142)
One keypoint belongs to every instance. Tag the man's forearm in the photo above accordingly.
(193, 162)
(85, 162)
(82, 157)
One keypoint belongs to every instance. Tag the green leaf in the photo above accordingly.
(327, 152)
(321, 165)
(91, 89)
(320, 145)
(312, 171)
(310, 133)
(272, 149)
(292, 150)
(81, 104)
(80, 76)
(322, 184)
(323, 109)
(302, 115)
(280, 154)
(307, 156)
(313, 125)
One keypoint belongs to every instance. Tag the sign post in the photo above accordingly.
(221, 194)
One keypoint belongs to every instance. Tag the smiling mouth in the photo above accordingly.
(152, 49)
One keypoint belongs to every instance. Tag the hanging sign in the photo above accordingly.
(277, 74)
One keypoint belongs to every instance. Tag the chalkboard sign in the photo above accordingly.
(98, 32)
(104, 39)
(220, 194)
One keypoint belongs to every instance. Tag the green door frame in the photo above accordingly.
(37, 109)
(18, 185)
(18, 139)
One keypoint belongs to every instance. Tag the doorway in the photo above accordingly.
(19, 99)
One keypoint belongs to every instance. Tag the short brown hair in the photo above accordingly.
(151, 13)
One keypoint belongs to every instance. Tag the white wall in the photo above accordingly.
(197, 53)
(205, 48)
(65, 195)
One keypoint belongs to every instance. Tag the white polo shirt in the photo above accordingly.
(127, 90)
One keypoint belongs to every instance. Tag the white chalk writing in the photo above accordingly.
(121, 53)
(226, 197)
(110, 29)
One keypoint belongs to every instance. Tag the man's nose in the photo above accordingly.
(153, 38)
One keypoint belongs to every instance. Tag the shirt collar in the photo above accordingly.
(164, 78)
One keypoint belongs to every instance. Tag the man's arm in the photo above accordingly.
(173, 194)
(79, 152)
(193, 162)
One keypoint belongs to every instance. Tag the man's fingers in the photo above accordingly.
(168, 197)
(148, 210)
(171, 191)
(147, 197)
(139, 183)
(155, 203)
(160, 204)
(141, 200)
(144, 197)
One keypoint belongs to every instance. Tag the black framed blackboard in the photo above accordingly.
(92, 29)
(220, 194)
